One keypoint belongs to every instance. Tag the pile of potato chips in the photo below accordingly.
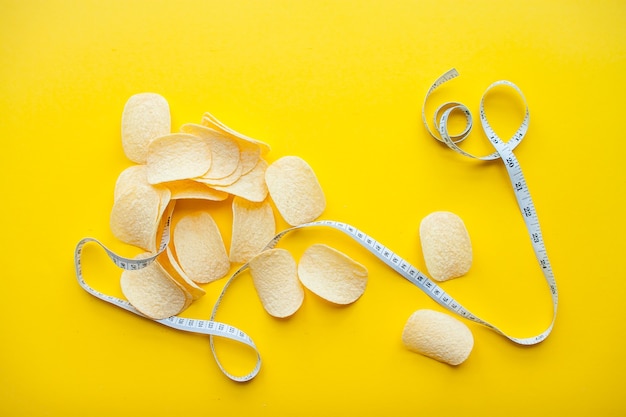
(210, 161)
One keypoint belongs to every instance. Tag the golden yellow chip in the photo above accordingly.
(250, 186)
(253, 228)
(332, 275)
(135, 216)
(131, 176)
(438, 336)
(177, 156)
(211, 121)
(151, 291)
(189, 189)
(199, 248)
(222, 182)
(446, 245)
(276, 281)
(224, 150)
(146, 116)
(293, 186)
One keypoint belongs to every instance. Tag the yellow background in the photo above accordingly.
(340, 84)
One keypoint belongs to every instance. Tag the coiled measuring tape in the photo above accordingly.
(504, 151)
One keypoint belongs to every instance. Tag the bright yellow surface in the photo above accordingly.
(340, 84)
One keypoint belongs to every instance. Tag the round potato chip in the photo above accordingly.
(177, 156)
(250, 186)
(133, 175)
(224, 150)
(151, 291)
(276, 281)
(438, 336)
(293, 186)
(253, 228)
(146, 117)
(199, 248)
(331, 274)
(446, 245)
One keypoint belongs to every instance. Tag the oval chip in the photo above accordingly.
(438, 336)
(446, 245)
(199, 248)
(276, 281)
(177, 156)
(146, 117)
(332, 275)
(224, 150)
(151, 291)
(295, 190)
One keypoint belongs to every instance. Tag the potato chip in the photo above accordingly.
(293, 186)
(211, 121)
(189, 189)
(222, 182)
(146, 116)
(446, 245)
(199, 248)
(177, 156)
(169, 263)
(135, 215)
(224, 150)
(438, 336)
(331, 274)
(251, 186)
(276, 281)
(151, 291)
(253, 228)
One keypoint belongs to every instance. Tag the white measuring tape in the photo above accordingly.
(504, 151)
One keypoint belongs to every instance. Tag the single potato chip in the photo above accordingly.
(135, 216)
(151, 291)
(276, 281)
(438, 336)
(446, 245)
(332, 275)
(253, 228)
(224, 150)
(146, 117)
(133, 175)
(296, 192)
(251, 186)
(177, 156)
(199, 248)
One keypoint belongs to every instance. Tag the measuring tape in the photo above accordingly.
(504, 152)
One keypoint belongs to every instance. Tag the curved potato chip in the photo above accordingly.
(135, 216)
(177, 156)
(293, 186)
(250, 186)
(211, 121)
(224, 150)
(199, 248)
(276, 281)
(438, 336)
(250, 153)
(332, 275)
(170, 265)
(146, 116)
(446, 245)
(191, 189)
(222, 182)
(151, 291)
(253, 228)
